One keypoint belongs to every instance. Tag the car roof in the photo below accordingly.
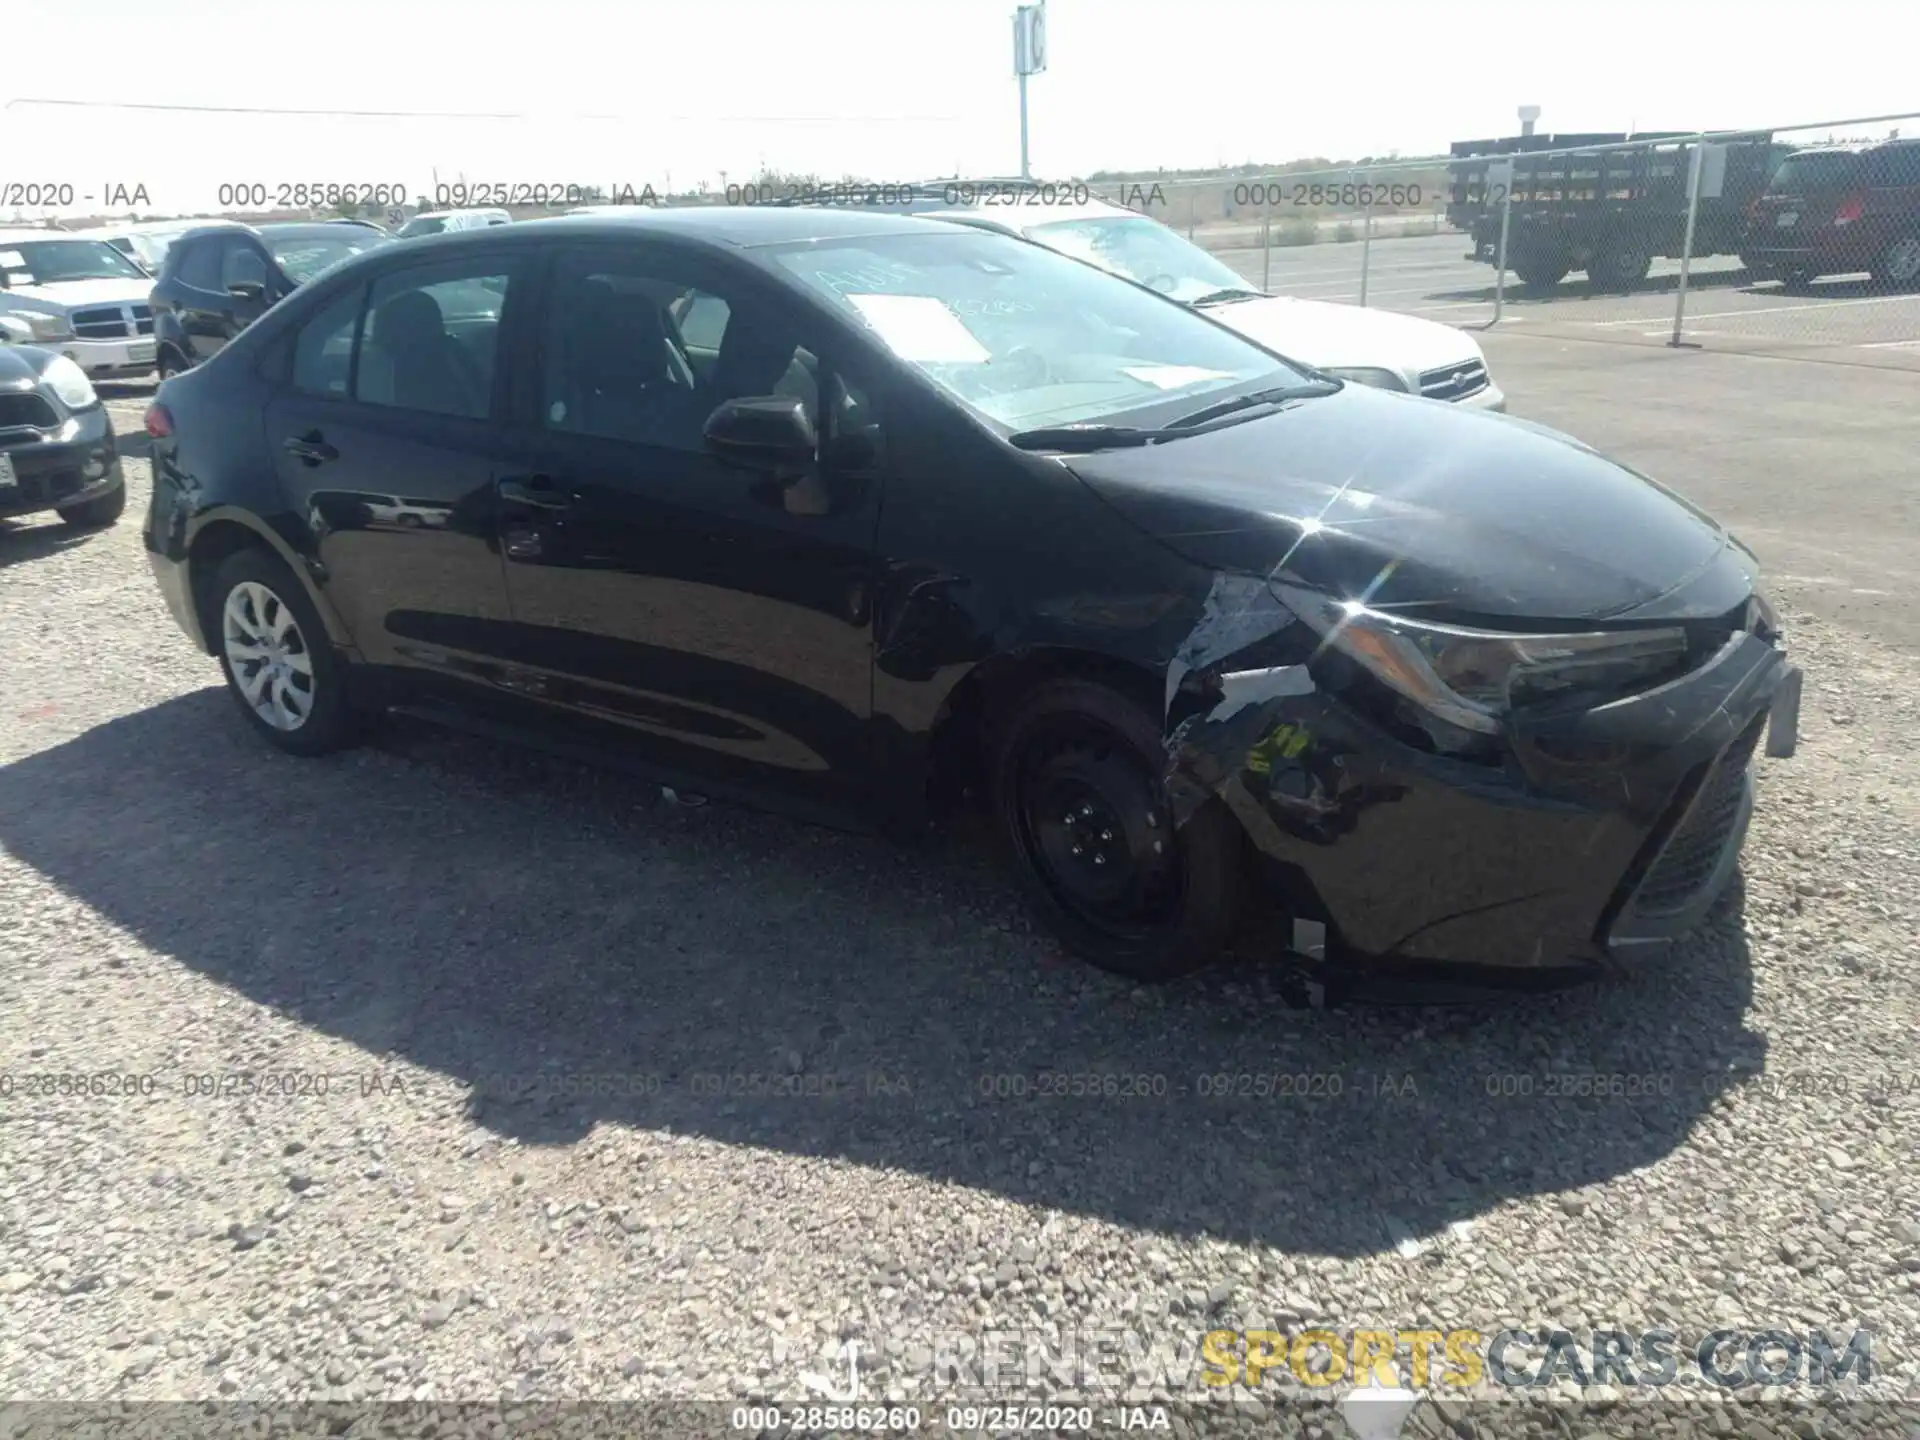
(301, 229)
(744, 226)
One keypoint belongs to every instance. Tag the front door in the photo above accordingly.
(386, 437)
(715, 619)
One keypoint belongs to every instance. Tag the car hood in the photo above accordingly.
(72, 294)
(1328, 335)
(1431, 509)
(20, 366)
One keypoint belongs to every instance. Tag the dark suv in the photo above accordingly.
(219, 279)
(1837, 211)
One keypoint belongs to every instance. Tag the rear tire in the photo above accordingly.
(1898, 266)
(281, 669)
(1076, 770)
(166, 364)
(100, 511)
(1620, 267)
(1797, 278)
(1539, 276)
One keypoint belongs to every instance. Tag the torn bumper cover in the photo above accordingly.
(1583, 836)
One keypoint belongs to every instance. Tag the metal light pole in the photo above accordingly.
(1029, 58)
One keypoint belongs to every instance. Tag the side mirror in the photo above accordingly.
(248, 290)
(764, 432)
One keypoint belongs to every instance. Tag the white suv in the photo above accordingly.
(76, 296)
(1370, 347)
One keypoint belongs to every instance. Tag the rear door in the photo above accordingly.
(1890, 222)
(386, 433)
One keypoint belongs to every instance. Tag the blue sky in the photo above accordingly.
(892, 89)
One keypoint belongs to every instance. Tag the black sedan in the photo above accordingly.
(857, 516)
(57, 448)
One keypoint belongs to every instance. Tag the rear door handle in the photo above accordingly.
(537, 491)
(310, 447)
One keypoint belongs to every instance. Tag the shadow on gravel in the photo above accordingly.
(498, 918)
(32, 538)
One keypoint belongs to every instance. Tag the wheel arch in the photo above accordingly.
(221, 533)
(962, 728)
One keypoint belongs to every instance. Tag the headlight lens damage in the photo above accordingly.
(1472, 678)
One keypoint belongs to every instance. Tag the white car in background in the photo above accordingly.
(144, 243)
(438, 222)
(1370, 347)
(78, 297)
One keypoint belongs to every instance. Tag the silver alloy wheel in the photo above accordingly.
(1903, 259)
(267, 655)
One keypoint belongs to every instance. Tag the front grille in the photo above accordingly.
(46, 489)
(24, 408)
(1454, 382)
(106, 324)
(1693, 853)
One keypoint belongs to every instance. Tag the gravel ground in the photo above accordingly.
(505, 991)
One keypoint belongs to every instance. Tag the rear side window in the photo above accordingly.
(200, 264)
(1897, 165)
(1815, 171)
(323, 350)
(430, 337)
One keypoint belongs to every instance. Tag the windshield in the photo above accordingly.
(423, 225)
(306, 257)
(1026, 337)
(1800, 173)
(1142, 250)
(53, 262)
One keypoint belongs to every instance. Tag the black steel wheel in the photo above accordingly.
(1082, 812)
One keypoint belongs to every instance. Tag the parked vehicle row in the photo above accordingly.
(1790, 214)
(861, 516)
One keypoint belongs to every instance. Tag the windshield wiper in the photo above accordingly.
(1215, 297)
(1258, 399)
(1081, 439)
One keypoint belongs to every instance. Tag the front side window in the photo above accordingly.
(55, 262)
(617, 360)
(242, 264)
(430, 338)
(1144, 251)
(1026, 337)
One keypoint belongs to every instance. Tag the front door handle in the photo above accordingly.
(311, 448)
(537, 491)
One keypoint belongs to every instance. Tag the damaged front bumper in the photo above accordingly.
(1598, 835)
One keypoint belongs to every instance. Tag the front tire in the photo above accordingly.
(1620, 267)
(100, 511)
(280, 667)
(1078, 796)
(1898, 266)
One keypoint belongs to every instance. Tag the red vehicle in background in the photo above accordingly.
(1838, 211)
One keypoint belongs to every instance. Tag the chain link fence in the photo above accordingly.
(1803, 237)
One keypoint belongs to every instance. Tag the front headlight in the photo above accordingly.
(48, 327)
(1369, 375)
(68, 381)
(1472, 678)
